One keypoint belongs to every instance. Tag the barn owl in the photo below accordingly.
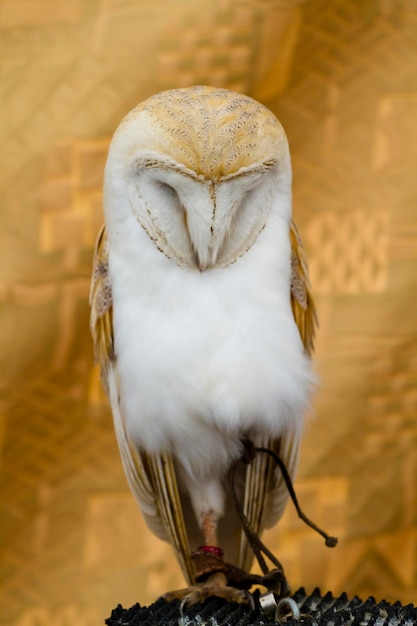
(202, 316)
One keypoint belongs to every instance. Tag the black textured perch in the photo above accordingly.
(316, 610)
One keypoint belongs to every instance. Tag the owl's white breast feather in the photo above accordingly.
(205, 357)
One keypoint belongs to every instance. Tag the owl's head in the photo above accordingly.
(200, 169)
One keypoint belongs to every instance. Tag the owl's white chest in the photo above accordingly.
(205, 357)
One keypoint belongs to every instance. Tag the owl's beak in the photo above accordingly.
(201, 244)
(204, 258)
(202, 265)
(207, 257)
(201, 230)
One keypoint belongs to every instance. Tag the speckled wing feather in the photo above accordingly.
(302, 302)
(265, 491)
(101, 320)
(151, 477)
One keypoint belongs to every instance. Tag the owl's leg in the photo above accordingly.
(210, 522)
(210, 571)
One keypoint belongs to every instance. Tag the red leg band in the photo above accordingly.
(212, 550)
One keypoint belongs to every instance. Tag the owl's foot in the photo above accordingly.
(214, 585)
(212, 577)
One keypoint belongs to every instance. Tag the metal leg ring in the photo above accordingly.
(287, 607)
(269, 603)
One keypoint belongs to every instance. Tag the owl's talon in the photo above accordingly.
(246, 595)
(215, 585)
(184, 604)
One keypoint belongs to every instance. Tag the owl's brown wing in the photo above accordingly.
(265, 491)
(101, 303)
(302, 302)
(151, 477)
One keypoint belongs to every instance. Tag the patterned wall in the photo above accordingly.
(342, 77)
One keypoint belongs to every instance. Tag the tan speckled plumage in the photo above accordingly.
(212, 132)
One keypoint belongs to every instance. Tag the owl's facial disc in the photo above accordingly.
(242, 205)
(197, 222)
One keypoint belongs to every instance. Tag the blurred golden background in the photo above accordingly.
(342, 78)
